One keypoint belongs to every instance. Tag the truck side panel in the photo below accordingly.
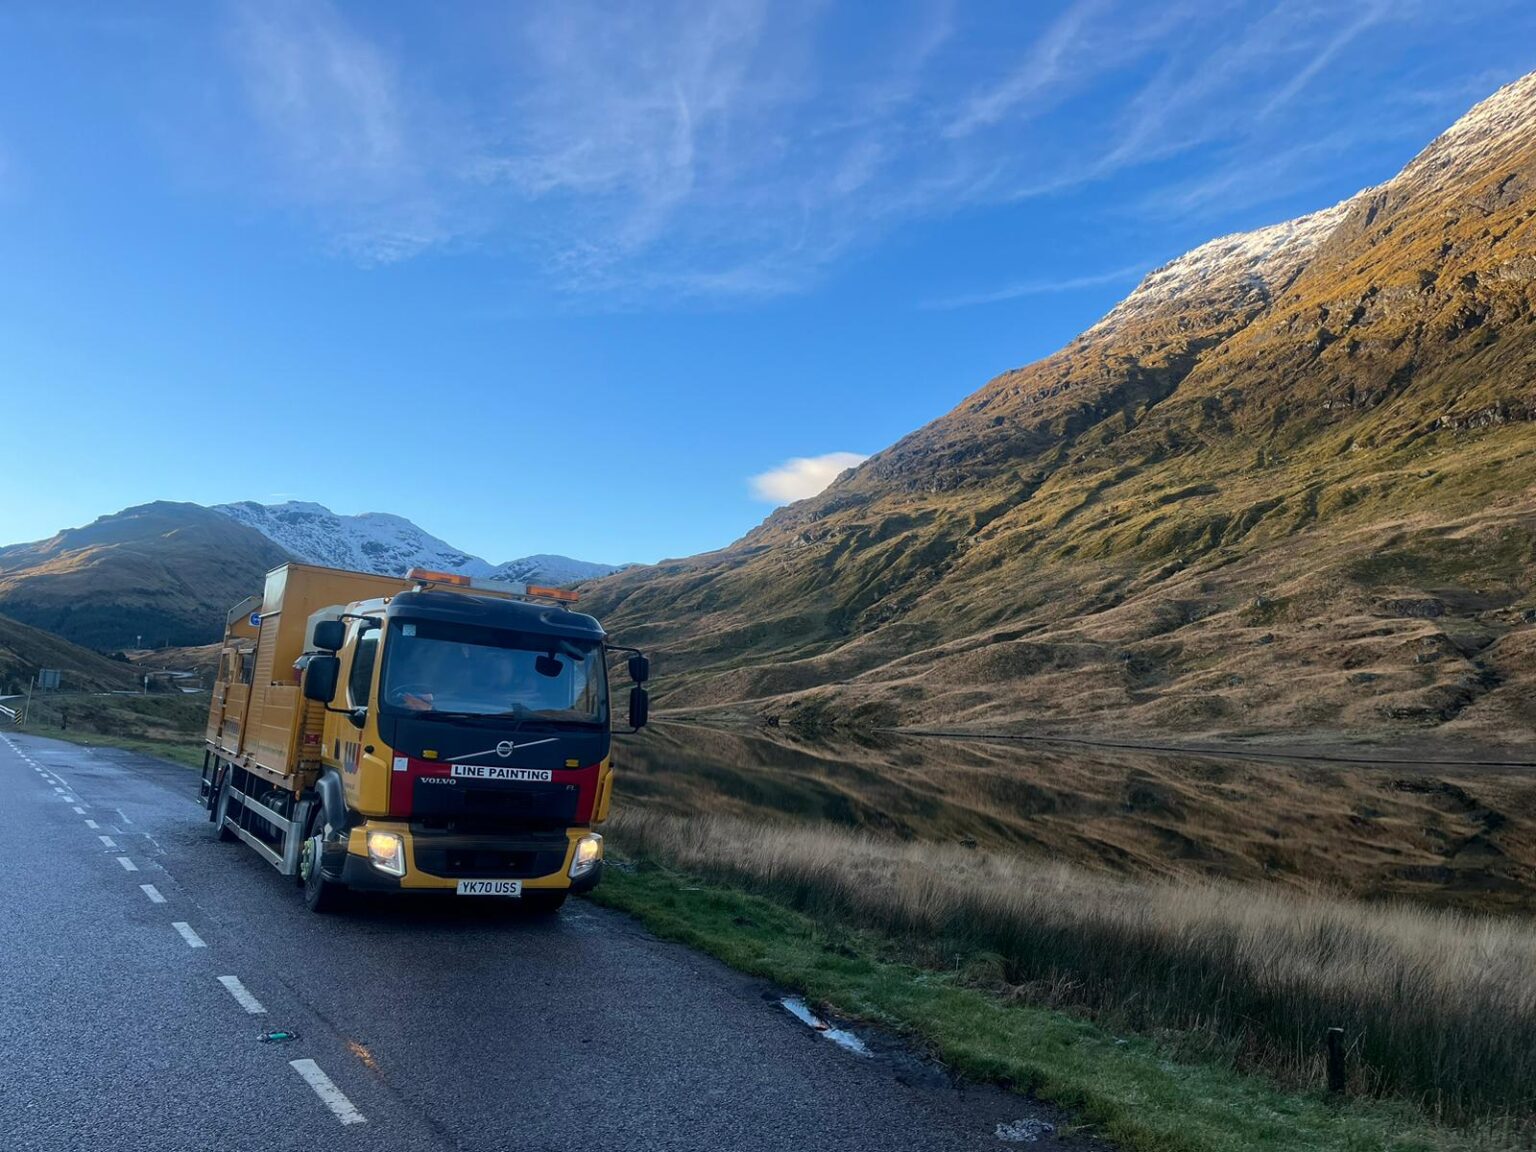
(266, 723)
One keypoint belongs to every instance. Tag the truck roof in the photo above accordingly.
(495, 612)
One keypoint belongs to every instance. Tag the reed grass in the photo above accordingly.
(1439, 1007)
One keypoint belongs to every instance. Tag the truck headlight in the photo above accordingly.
(386, 851)
(589, 853)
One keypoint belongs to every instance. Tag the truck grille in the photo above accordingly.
(518, 860)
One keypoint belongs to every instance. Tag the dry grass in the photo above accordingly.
(1439, 1007)
(1455, 838)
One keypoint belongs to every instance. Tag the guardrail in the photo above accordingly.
(10, 715)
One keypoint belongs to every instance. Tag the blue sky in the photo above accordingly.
(590, 278)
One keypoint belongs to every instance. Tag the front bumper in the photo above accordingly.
(541, 863)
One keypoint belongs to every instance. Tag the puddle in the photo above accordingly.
(797, 1008)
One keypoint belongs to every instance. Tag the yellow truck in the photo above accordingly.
(425, 734)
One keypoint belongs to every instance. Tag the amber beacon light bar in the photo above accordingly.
(506, 587)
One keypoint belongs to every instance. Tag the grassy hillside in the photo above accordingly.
(25, 650)
(1288, 485)
(165, 572)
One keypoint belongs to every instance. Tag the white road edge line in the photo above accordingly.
(107, 842)
(124, 815)
(192, 938)
(128, 865)
(330, 1095)
(153, 893)
(242, 995)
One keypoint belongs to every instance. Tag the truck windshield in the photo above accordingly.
(436, 667)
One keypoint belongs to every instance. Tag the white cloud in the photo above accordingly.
(803, 476)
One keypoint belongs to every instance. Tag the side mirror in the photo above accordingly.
(330, 635)
(639, 706)
(358, 717)
(320, 677)
(639, 669)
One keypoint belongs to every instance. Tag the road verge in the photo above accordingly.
(1134, 1091)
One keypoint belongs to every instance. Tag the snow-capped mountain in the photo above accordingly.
(390, 545)
(1244, 267)
(1252, 267)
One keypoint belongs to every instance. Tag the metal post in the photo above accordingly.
(27, 709)
(1335, 1059)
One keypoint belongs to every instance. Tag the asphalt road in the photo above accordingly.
(418, 1024)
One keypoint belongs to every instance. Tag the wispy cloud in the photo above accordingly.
(1048, 67)
(744, 148)
(337, 128)
(1040, 287)
(1369, 14)
(802, 477)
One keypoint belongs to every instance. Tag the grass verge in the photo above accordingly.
(167, 726)
(1438, 1009)
(1132, 1090)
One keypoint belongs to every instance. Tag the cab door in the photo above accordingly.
(364, 761)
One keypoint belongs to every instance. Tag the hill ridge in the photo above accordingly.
(1287, 481)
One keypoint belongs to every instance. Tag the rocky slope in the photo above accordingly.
(1289, 484)
(164, 572)
(390, 545)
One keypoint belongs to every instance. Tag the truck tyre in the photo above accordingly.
(320, 895)
(221, 808)
(540, 902)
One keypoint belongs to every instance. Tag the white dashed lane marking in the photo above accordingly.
(330, 1095)
(128, 865)
(242, 995)
(192, 938)
(79, 811)
(153, 893)
(90, 823)
(107, 842)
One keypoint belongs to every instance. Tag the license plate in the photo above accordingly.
(490, 888)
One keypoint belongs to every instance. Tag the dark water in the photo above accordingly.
(1465, 839)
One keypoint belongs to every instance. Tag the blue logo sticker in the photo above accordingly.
(255, 619)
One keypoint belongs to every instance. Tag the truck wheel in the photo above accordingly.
(540, 902)
(320, 895)
(221, 809)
